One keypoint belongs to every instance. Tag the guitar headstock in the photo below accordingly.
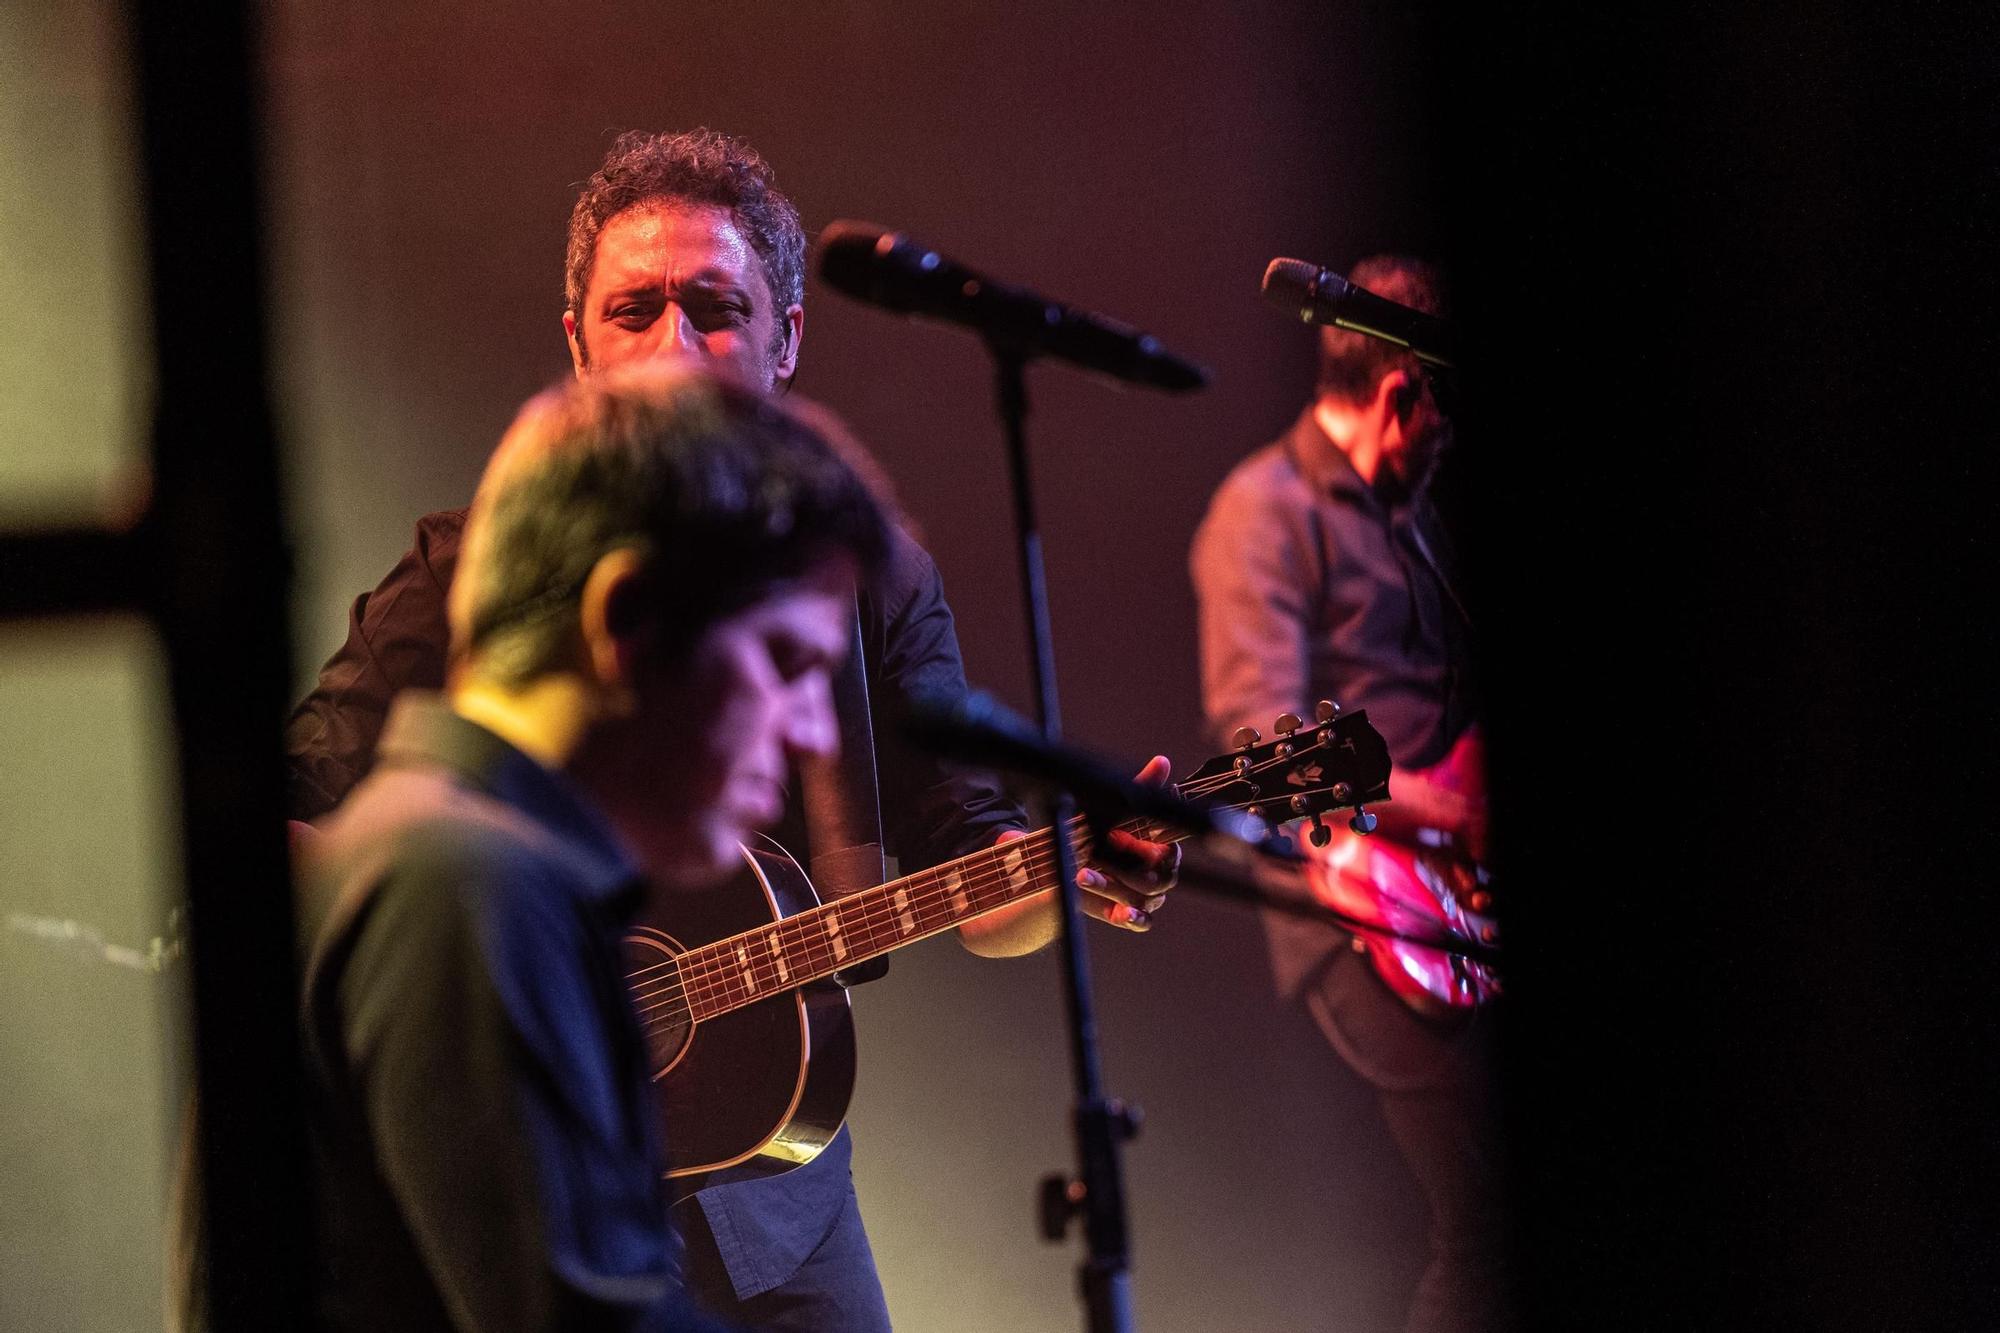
(1339, 761)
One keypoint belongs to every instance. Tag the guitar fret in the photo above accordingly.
(727, 974)
(798, 949)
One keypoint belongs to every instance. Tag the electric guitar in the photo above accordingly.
(752, 1043)
(1429, 888)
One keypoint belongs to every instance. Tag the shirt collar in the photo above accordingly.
(1323, 463)
(422, 729)
(1328, 470)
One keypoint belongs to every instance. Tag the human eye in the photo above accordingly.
(721, 309)
(631, 313)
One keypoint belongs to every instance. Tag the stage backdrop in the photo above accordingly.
(1144, 160)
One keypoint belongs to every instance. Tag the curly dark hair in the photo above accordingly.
(723, 489)
(692, 167)
(1352, 364)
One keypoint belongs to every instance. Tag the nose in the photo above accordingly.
(679, 338)
(812, 730)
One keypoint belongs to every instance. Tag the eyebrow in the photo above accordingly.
(707, 279)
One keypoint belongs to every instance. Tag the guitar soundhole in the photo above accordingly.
(654, 982)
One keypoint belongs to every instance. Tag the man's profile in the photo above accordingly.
(485, 1150)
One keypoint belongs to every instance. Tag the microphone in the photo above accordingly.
(1321, 296)
(888, 269)
(980, 730)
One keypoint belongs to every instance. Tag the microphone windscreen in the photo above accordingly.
(850, 255)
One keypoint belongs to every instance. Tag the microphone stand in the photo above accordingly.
(1097, 1191)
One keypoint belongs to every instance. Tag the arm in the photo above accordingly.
(502, 1111)
(1251, 572)
(1255, 571)
(396, 640)
(932, 812)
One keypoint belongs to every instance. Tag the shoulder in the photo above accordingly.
(909, 576)
(1262, 491)
(415, 851)
(439, 536)
(1265, 478)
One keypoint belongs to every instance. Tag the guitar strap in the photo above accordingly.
(843, 803)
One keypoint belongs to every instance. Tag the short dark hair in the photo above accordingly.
(724, 490)
(1352, 364)
(701, 167)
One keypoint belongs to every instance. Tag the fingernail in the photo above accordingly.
(1137, 919)
(1090, 879)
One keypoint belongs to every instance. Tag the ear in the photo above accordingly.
(1402, 391)
(578, 361)
(617, 625)
(788, 360)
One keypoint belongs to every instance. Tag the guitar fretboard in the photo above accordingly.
(728, 974)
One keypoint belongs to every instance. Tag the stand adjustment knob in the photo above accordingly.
(1056, 1202)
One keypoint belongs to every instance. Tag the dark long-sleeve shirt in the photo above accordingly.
(397, 640)
(1312, 584)
(485, 1148)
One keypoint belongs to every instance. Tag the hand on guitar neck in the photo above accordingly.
(1122, 889)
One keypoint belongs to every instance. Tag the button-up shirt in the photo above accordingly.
(485, 1149)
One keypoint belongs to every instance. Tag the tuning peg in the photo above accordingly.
(1287, 724)
(1327, 710)
(1362, 822)
(1321, 835)
(1245, 737)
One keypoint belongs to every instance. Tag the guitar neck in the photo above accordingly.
(813, 945)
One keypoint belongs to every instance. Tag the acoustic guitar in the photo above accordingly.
(752, 1043)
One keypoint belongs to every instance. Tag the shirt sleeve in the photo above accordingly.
(1252, 577)
(504, 1105)
(931, 811)
(396, 640)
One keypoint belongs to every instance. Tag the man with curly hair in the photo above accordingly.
(682, 247)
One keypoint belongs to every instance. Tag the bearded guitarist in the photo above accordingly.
(1322, 573)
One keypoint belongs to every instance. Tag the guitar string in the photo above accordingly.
(871, 924)
(869, 913)
(718, 981)
(725, 988)
(718, 973)
(1196, 787)
(875, 918)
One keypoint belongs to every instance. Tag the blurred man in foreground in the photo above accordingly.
(486, 1151)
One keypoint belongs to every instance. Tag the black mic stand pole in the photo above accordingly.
(1097, 1191)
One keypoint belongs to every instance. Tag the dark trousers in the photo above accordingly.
(1434, 1080)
